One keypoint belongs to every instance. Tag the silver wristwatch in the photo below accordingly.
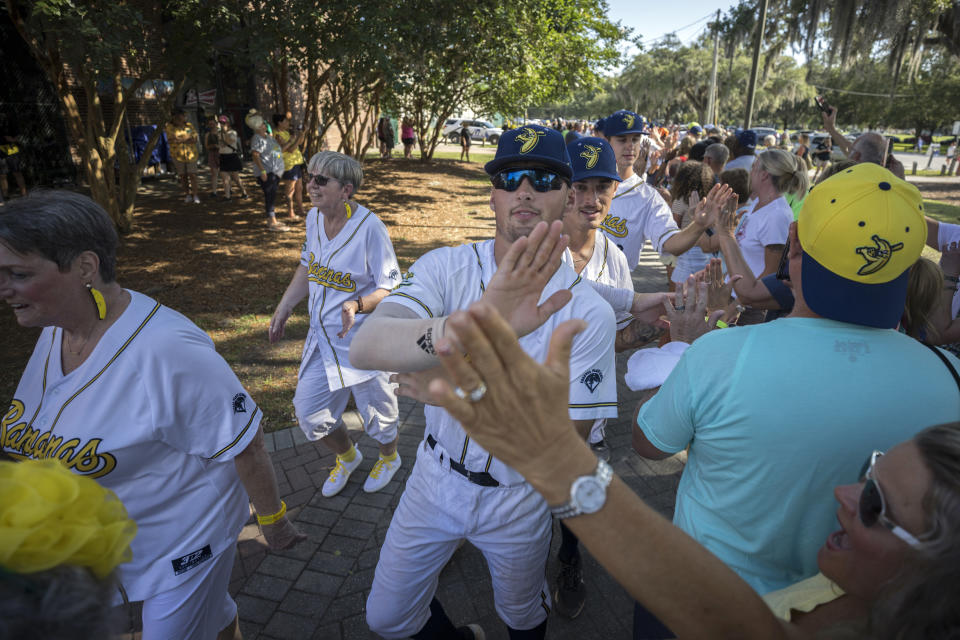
(587, 494)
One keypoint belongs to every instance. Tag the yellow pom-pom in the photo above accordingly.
(51, 517)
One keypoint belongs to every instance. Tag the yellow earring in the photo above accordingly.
(98, 300)
(349, 210)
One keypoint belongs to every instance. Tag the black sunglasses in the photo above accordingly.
(872, 507)
(319, 179)
(542, 180)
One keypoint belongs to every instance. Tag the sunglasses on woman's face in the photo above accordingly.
(542, 180)
(318, 179)
(873, 508)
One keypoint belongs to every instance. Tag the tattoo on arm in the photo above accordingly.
(637, 334)
(425, 342)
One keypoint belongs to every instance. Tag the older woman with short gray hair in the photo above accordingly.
(132, 394)
(347, 266)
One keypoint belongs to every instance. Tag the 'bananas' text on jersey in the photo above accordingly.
(327, 277)
(23, 441)
(615, 226)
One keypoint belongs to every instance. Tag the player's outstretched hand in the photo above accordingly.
(515, 289)
(282, 534)
(278, 322)
(648, 307)
(523, 415)
(348, 312)
(707, 211)
(416, 384)
(687, 321)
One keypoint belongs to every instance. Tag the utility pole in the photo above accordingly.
(752, 89)
(711, 105)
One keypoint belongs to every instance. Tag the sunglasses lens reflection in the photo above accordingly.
(541, 179)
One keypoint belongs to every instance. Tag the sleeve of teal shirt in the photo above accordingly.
(667, 418)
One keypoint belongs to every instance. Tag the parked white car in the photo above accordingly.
(479, 130)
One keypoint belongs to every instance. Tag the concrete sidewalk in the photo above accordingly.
(318, 590)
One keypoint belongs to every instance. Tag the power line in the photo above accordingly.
(675, 31)
(863, 93)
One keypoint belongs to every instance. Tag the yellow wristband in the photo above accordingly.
(721, 324)
(274, 517)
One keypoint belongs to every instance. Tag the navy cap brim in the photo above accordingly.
(837, 298)
(548, 162)
(596, 174)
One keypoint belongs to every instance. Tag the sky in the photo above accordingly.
(652, 20)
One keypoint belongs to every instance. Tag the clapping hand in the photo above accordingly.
(688, 320)
(718, 291)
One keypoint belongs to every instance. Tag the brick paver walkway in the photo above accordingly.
(318, 590)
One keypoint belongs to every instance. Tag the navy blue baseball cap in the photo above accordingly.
(622, 122)
(747, 138)
(592, 158)
(532, 143)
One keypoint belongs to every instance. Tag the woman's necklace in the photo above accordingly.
(82, 346)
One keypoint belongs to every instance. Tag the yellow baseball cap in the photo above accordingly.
(860, 230)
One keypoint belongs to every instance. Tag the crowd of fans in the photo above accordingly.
(798, 340)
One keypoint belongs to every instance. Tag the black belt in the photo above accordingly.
(481, 478)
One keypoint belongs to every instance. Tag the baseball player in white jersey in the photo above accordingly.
(144, 405)
(457, 490)
(597, 259)
(638, 212)
(347, 265)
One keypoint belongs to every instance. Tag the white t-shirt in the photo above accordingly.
(637, 214)
(743, 162)
(451, 278)
(356, 262)
(155, 415)
(762, 227)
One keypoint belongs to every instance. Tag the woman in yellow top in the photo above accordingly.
(293, 164)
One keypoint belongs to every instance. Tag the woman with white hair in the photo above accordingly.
(267, 165)
(347, 266)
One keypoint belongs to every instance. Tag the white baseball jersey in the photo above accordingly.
(452, 278)
(156, 415)
(638, 213)
(607, 266)
(356, 262)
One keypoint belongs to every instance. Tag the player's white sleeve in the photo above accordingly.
(593, 374)
(198, 404)
(658, 222)
(381, 259)
(423, 287)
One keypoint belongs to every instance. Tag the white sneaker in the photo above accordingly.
(196, 200)
(381, 474)
(337, 479)
(188, 198)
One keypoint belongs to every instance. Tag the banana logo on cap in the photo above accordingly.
(529, 137)
(591, 154)
(877, 257)
(628, 120)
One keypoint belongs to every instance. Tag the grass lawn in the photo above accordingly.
(942, 211)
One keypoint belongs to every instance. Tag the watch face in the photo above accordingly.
(589, 494)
